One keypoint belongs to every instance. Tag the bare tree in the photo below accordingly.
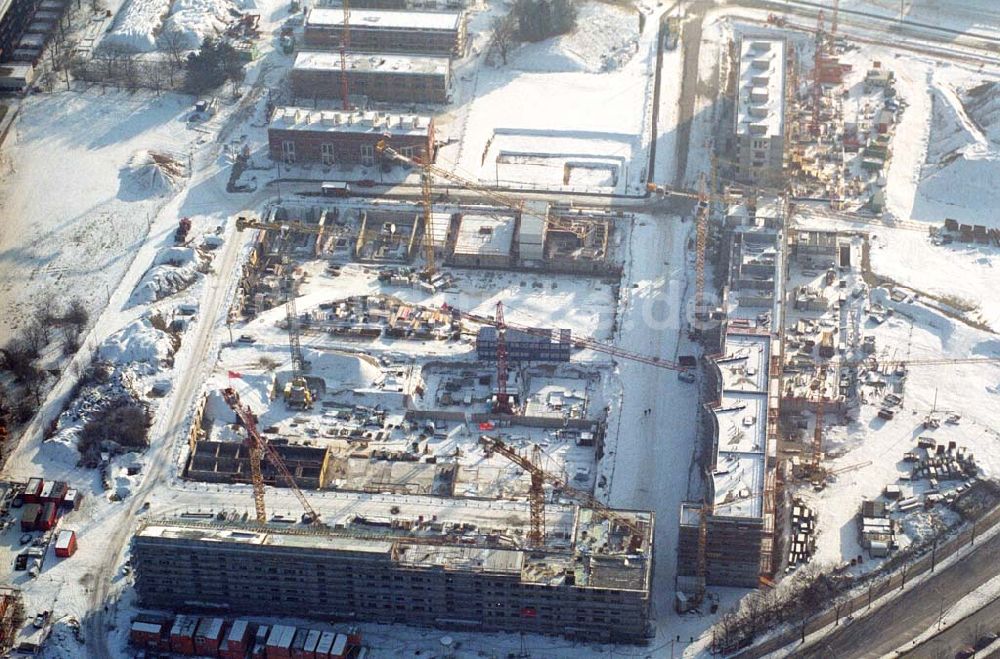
(501, 37)
(173, 43)
(77, 314)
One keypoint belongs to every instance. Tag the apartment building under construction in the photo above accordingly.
(594, 586)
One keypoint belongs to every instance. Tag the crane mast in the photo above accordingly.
(259, 449)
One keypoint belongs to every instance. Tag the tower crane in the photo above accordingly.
(503, 403)
(260, 449)
(536, 498)
(345, 45)
(577, 341)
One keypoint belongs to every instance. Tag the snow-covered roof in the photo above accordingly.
(387, 20)
(761, 91)
(333, 121)
(738, 479)
(485, 234)
(380, 63)
(63, 539)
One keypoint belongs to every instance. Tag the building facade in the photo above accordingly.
(384, 77)
(300, 135)
(759, 129)
(601, 595)
(381, 31)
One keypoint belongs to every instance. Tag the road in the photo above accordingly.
(964, 632)
(691, 43)
(165, 435)
(917, 609)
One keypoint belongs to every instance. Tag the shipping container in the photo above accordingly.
(145, 634)
(312, 641)
(50, 513)
(46, 493)
(30, 514)
(182, 634)
(325, 644)
(57, 493)
(339, 649)
(72, 499)
(279, 642)
(208, 637)
(237, 641)
(33, 491)
(66, 543)
(299, 643)
(353, 636)
(260, 642)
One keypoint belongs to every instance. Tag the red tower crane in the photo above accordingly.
(503, 403)
(259, 449)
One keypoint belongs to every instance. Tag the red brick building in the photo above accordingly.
(329, 137)
(376, 30)
(383, 77)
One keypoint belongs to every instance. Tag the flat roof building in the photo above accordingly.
(330, 137)
(740, 527)
(601, 591)
(377, 30)
(760, 109)
(379, 77)
(484, 241)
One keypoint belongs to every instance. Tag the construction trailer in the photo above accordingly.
(390, 77)
(601, 593)
(382, 31)
(332, 137)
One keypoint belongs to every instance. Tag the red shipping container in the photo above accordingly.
(31, 514)
(145, 634)
(353, 636)
(298, 644)
(279, 642)
(48, 518)
(237, 641)
(312, 641)
(339, 649)
(33, 491)
(182, 634)
(208, 637)
(325, 644)
(260, 642)
(66, 543)
(57, 493)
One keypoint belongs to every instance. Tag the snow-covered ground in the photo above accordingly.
(570, 112)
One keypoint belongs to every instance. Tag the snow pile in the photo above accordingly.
(961, 160)
(136, 26)
(605, 39)
(173, 270)
(150, 174)
(982, 102)
(193, 20)
(140, 343)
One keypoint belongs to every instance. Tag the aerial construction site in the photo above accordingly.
(534, 329)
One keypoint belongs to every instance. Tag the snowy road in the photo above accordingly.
(653, 451)
(208, 190)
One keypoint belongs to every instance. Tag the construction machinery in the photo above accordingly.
(296, 393)
(531, 463)
(259, 449)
